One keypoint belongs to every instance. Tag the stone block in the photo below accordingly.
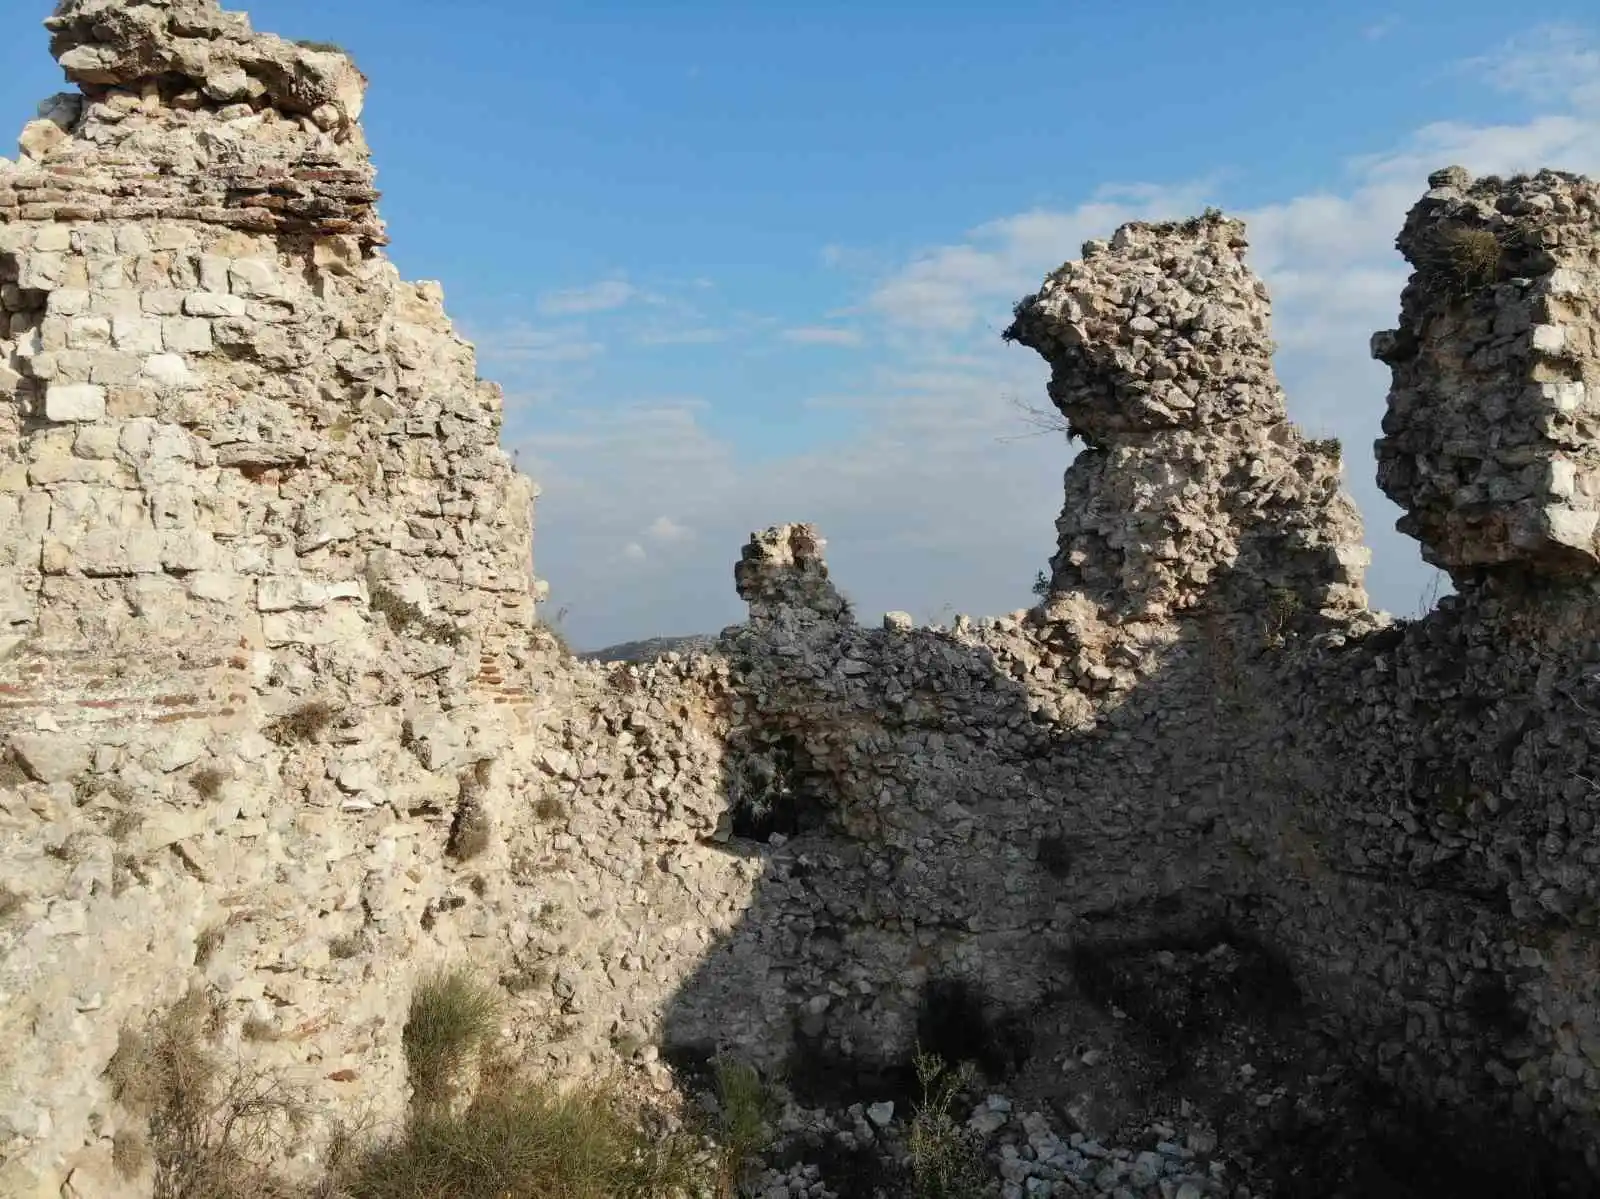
(67, 301)
(42, 272)
(168, 370)
(54, 239)
(214, 304)
(110, 366)
(74, 402)
(254, 278)
(137, 334)
(162, 302)
(186, 335)
(51, 757)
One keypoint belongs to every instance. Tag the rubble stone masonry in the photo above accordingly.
(268, 636)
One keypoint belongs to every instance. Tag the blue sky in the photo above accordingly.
(744, 263)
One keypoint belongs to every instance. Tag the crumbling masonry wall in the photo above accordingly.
(267, 630)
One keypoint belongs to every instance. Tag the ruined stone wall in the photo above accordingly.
(1202, 738)
(264, 591)
(278, 719)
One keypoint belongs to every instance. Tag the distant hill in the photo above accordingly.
(654, 647)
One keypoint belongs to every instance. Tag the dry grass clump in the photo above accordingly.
(452, 1016)
(209, 1133)
(404, 616)
(522, 1140)
(471, 830)
(1463, 258)
(207, 782)
(10, 903)
(549, 809)
(11, 772)
(344, 948)
(517, 1139)
(208, 942)
(124, 824)
(946, 1160)
(744, 1107)
(304, 724)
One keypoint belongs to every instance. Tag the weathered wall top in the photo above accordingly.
(1490, 439)
(783, 569)
(276, 718)
(1195, 490)
(185, 113)
(182, 45)
(1162, 327)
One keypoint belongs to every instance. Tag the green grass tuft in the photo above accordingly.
(946, 1159)
(744, 1106)
(452, 1016)
(521, 1140)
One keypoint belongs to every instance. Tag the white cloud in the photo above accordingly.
(1552, 64)
(951, 289)
(822, 335)
(521, 342)
(597, 297)
(940, 496)
(665, 529)
(681, 337)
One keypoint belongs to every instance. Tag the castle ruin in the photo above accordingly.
(278, 718)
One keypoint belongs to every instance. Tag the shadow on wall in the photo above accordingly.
(1108, 910)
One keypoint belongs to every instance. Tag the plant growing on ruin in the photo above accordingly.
(208, 942)
(549, 809)
(1041, 585)
(404, 617)
(522, 1139)
(1283, 606)
(346, 947)
(553, 634)
(209, 1132)
(1462, 258)
(124, 824)
(11, 772)
(946, 1160)
(207, 782)
(306, 723)
(451, 1017)
(744, 1106)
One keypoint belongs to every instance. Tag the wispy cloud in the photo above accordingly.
(597, 297)
(955, 287)
(935, 399)
(1381, 28)
(521, 342)
(681, 337)
(1551, 64)
(666, 530)
(822, 335)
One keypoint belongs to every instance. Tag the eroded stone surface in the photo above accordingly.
(1194, 483)
(1503, 343)
(268, 645)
